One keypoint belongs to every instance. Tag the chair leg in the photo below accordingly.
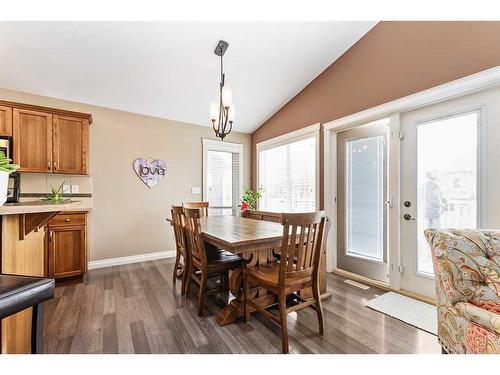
(176, 266)
(246, 310)
(37, 329)
(184, 277)
(284, 329)
(226, 280)
(189, 279)
(319, 307)
(201, 295)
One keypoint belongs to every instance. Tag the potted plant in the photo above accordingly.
(250, 198)
(56, 194)
(6, 168)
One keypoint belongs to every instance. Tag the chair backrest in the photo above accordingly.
(179, 231)
(466, 264)
(262, 215)
(304, 238)
(194, 236)
(202, 206)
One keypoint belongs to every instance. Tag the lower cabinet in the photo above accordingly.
(67, 245)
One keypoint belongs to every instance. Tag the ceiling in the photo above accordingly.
(168, 69)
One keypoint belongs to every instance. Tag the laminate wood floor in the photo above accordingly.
(134, 309)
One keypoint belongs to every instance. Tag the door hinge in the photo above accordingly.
(401, 135)
(401, 268)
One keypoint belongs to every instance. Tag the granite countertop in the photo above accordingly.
(37, 206)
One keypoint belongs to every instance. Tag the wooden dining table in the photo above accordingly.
(256, 242)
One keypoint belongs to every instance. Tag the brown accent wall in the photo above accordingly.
(393, 60)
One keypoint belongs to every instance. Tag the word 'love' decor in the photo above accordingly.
(150, 171)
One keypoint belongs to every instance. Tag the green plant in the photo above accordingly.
(251, 197)
(56, 193)
(6, 165)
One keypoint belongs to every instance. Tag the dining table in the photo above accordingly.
(257, 242)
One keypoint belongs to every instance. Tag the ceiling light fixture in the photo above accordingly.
(222, 112)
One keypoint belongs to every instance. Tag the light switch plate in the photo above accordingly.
(196, 190)
(75, 189)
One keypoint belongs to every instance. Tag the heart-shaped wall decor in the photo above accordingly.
(150, 171)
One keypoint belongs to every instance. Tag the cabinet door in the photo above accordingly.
(67, 251)
(6, 121)
(70, 145)
(32, 140)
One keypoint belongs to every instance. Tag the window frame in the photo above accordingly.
(312, 131)
(213, 145)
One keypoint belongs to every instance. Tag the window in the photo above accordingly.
(222, 176)
(288, 171)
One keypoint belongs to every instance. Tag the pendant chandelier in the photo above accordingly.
(222, 113)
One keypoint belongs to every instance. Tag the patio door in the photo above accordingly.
(439, 182)
(361, 200)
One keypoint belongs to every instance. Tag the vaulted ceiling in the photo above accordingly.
(168, 69)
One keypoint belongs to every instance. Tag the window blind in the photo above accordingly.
(288, 175)
(223, 182)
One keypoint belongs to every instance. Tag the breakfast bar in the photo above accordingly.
(24, 252)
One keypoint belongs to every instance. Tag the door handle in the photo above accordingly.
(408, 217)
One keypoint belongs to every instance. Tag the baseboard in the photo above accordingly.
(130, 259)
(381, 285)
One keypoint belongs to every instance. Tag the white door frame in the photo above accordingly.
(460, 87)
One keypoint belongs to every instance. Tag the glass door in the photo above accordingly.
(439, 184)
(362, 200)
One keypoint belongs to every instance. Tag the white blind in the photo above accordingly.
(222, 182)
(288, 175)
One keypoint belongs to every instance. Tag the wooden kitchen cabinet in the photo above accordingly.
(67, 245)
(6, 121)
(70, 135)
(32, 140)
(47, 140)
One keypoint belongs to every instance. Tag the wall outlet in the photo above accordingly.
(196, 190)
(75, 189)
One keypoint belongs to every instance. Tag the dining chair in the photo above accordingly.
(181, 250)
(204, 264)
(262, 215)
(304, 236)
(202, 206)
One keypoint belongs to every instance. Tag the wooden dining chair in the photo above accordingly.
(203, 264)
(181, 250)
(202, 206)
(304, 236)
(262, 215)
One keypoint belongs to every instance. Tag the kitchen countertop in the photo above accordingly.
(37, 206)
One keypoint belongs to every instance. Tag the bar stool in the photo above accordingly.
(20, 292)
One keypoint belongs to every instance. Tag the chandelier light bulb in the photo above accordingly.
(227, 97)
(230, 113)
(214, 111)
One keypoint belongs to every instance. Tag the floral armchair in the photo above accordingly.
(467, 268)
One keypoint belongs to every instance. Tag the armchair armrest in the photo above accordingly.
(487, 319)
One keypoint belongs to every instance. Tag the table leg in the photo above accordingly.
(234, 309)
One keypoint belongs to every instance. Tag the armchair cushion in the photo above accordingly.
(467, 272)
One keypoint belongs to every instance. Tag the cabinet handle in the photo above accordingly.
(50, 235)
(48, 165)
(67, 220)
(55, 165)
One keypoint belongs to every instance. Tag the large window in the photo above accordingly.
(288, 172)
(222, 176)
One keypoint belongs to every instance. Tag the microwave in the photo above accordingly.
(5, 146)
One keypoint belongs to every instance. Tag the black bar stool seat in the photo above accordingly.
(20, 292)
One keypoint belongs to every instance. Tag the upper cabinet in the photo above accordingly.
(6, 121)
(47, 140)
(70, 145)
(32, 140)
